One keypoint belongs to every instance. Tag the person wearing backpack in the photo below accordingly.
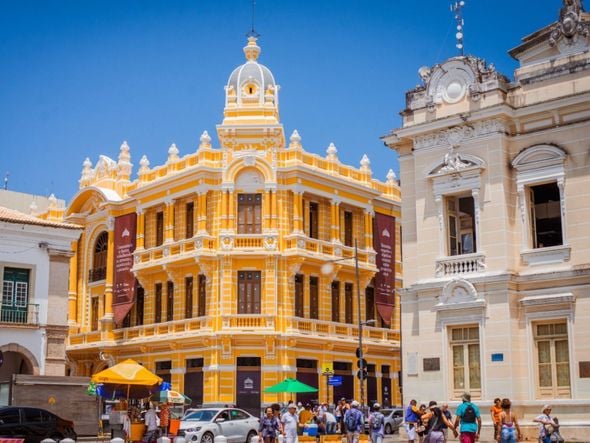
(377, 424)
(353, 422)
(468, 420)
(437, 422)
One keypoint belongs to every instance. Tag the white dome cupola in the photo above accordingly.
(251, 86)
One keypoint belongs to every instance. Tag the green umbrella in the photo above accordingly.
(291, 385)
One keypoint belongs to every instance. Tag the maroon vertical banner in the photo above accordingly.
(124, 280)
(384, 245)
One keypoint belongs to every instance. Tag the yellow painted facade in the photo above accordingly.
(194, 227)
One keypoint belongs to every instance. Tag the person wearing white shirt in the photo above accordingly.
(290, 421)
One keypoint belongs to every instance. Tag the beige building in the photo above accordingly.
(496, 228)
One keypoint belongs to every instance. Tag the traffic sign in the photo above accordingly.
(358, 363)
(364, 372)
(335, 380)
(328, 368)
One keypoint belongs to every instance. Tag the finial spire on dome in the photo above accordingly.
(252, 50)
(457, 8)
(252, 32)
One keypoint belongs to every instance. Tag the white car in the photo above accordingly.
(203, 425)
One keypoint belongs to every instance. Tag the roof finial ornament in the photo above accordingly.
(252, 32)
(457, 8)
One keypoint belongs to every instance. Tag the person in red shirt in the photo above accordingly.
(164, 418)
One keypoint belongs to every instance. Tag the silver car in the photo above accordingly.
(393, 420)
(203, 425)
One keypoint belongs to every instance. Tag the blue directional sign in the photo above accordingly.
(335, 380)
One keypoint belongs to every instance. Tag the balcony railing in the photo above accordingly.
(460, 264)
(97, 274)
(308, 326)
(240, 323)
(26, 315)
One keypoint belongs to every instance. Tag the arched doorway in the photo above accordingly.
(15, 359)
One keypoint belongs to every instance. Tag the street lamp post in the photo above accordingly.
(327, 268)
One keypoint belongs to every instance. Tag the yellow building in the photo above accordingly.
(227, 296)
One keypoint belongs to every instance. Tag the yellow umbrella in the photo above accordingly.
(126, 374)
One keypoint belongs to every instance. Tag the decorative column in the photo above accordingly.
(139, 236)
(107, 319)
(169, 220)
(298, 211)
(202, 213)
(223, 214)
(561, 186)
(231, 212)
(274, 209)
(368, 229)
(523, 217)
(335, 220)
(477, 211)
(266, 215)
(438, 199)
(73, 287)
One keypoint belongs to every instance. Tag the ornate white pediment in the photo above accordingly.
(537, 157)
(454, 162)
(459, 293)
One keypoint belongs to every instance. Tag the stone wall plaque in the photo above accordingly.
(431, 364)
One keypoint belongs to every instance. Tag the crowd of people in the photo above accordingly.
(431, 424)
(345, 418)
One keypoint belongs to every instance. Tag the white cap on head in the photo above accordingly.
(376, 405)
(292, 405)
(355, 404)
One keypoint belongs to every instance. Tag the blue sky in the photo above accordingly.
(78, 77)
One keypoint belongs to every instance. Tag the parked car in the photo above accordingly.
(393, 420)
(34, 424)
(203, 425)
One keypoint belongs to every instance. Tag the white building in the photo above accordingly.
(496, 228)
(34, 265)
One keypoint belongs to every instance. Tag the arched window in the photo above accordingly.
(99, 258)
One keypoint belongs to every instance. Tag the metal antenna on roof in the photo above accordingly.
(457, 8)
(252, 32)
(6, 180)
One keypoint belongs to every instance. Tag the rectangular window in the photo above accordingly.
(94, 313)
(314, 216)
(202, 295)
(15, 295)
(299, 295)
(190, 220)
(249, 292)
(314, 298)
(170, 301)
(546, 221)
(348, 228)
(249, 213)
(336, 301)
(348, 302)
(552, 354)
(460, 225)
(159, 228)
(466, 361)
(158, 307)
(188, 297)
(139, 304)
(370, 303)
